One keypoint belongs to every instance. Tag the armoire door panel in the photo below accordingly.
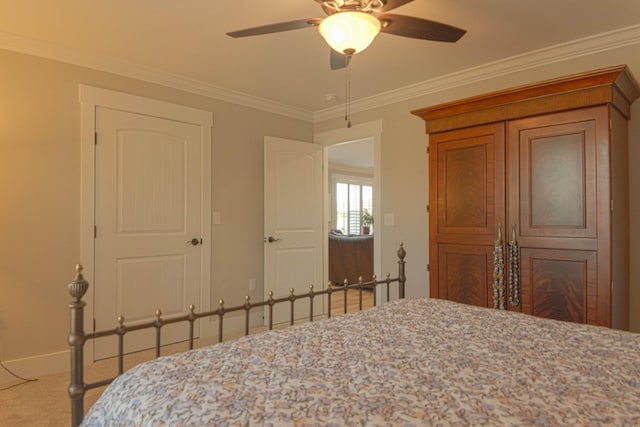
(552, 186)
(466, 274)
(559, 284)
(465, 186)
(469, 171)
(557, 181)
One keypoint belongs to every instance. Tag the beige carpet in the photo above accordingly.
(45, 402)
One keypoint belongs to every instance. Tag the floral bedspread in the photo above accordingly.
(407, 363)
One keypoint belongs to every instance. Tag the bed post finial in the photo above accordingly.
(77, 288)
(401, 276)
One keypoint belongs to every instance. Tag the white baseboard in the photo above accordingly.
(35, 366)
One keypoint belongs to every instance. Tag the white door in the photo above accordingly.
(292, 222)
(147, 211)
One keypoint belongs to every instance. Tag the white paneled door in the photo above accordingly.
(148, 215)
(293, 222)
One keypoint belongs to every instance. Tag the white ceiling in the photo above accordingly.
(183, 42)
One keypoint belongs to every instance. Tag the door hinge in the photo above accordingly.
(94, 325)
(95, 231)
(95, 138)
(428, 208)
(611, 204)
(428, 267)
(427, 149)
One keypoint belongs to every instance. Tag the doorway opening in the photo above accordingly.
(352, 193)
(351, 220)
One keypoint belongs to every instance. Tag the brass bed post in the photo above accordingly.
(247, 317)
(345, 289)
(157, 323)
(292, 297)
(220, 319)
(77, 288)
(192, 319)
(401, 276)
(271, 310)
(388, 283)
(329, 290)
(311, 295)
(374, 279)
(121, 330)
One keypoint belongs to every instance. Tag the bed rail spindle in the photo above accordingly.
(311, 295)
(220, 317)
(77, 288)
(402, 279)
(329, 290)
(158, 325)
(374, 288)
(121, 329)
(247, 308)
(192, 319)
(388, 286)
(292, 297)
(271, 310)
(345, 288)
(360, 282)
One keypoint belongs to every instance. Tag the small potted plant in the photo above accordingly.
(367, 221)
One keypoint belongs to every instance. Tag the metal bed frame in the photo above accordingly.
(78, 337)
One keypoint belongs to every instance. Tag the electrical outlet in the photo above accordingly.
(252, 285)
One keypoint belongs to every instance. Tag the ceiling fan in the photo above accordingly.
(351, 25)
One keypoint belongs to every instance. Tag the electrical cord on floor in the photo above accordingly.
(24, 380)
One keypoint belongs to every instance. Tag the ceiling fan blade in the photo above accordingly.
(418, 28)
(392, 4)
(276, 28)
(337, 60)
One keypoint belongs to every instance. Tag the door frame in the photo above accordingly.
(90, 98)
(372, 129)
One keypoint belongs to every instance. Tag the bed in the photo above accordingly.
(78, 337)
(408, 362)
(403, 363)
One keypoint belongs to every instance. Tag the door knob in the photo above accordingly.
(195, 241)
(272, 239)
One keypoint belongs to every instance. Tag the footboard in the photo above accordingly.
(77, 336)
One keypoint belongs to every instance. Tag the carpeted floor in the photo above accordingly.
(45, 402)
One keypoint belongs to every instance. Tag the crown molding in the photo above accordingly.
(562, 52)
(55, 52)
(553, 54)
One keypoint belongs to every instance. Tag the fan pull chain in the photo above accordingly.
(347, 106)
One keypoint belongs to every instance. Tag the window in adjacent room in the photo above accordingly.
(354, 195)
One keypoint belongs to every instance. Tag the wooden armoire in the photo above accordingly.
(529, 203)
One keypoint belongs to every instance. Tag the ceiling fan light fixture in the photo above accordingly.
(349, 32)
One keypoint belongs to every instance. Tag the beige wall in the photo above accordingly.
(40, 186)
(40, 193)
